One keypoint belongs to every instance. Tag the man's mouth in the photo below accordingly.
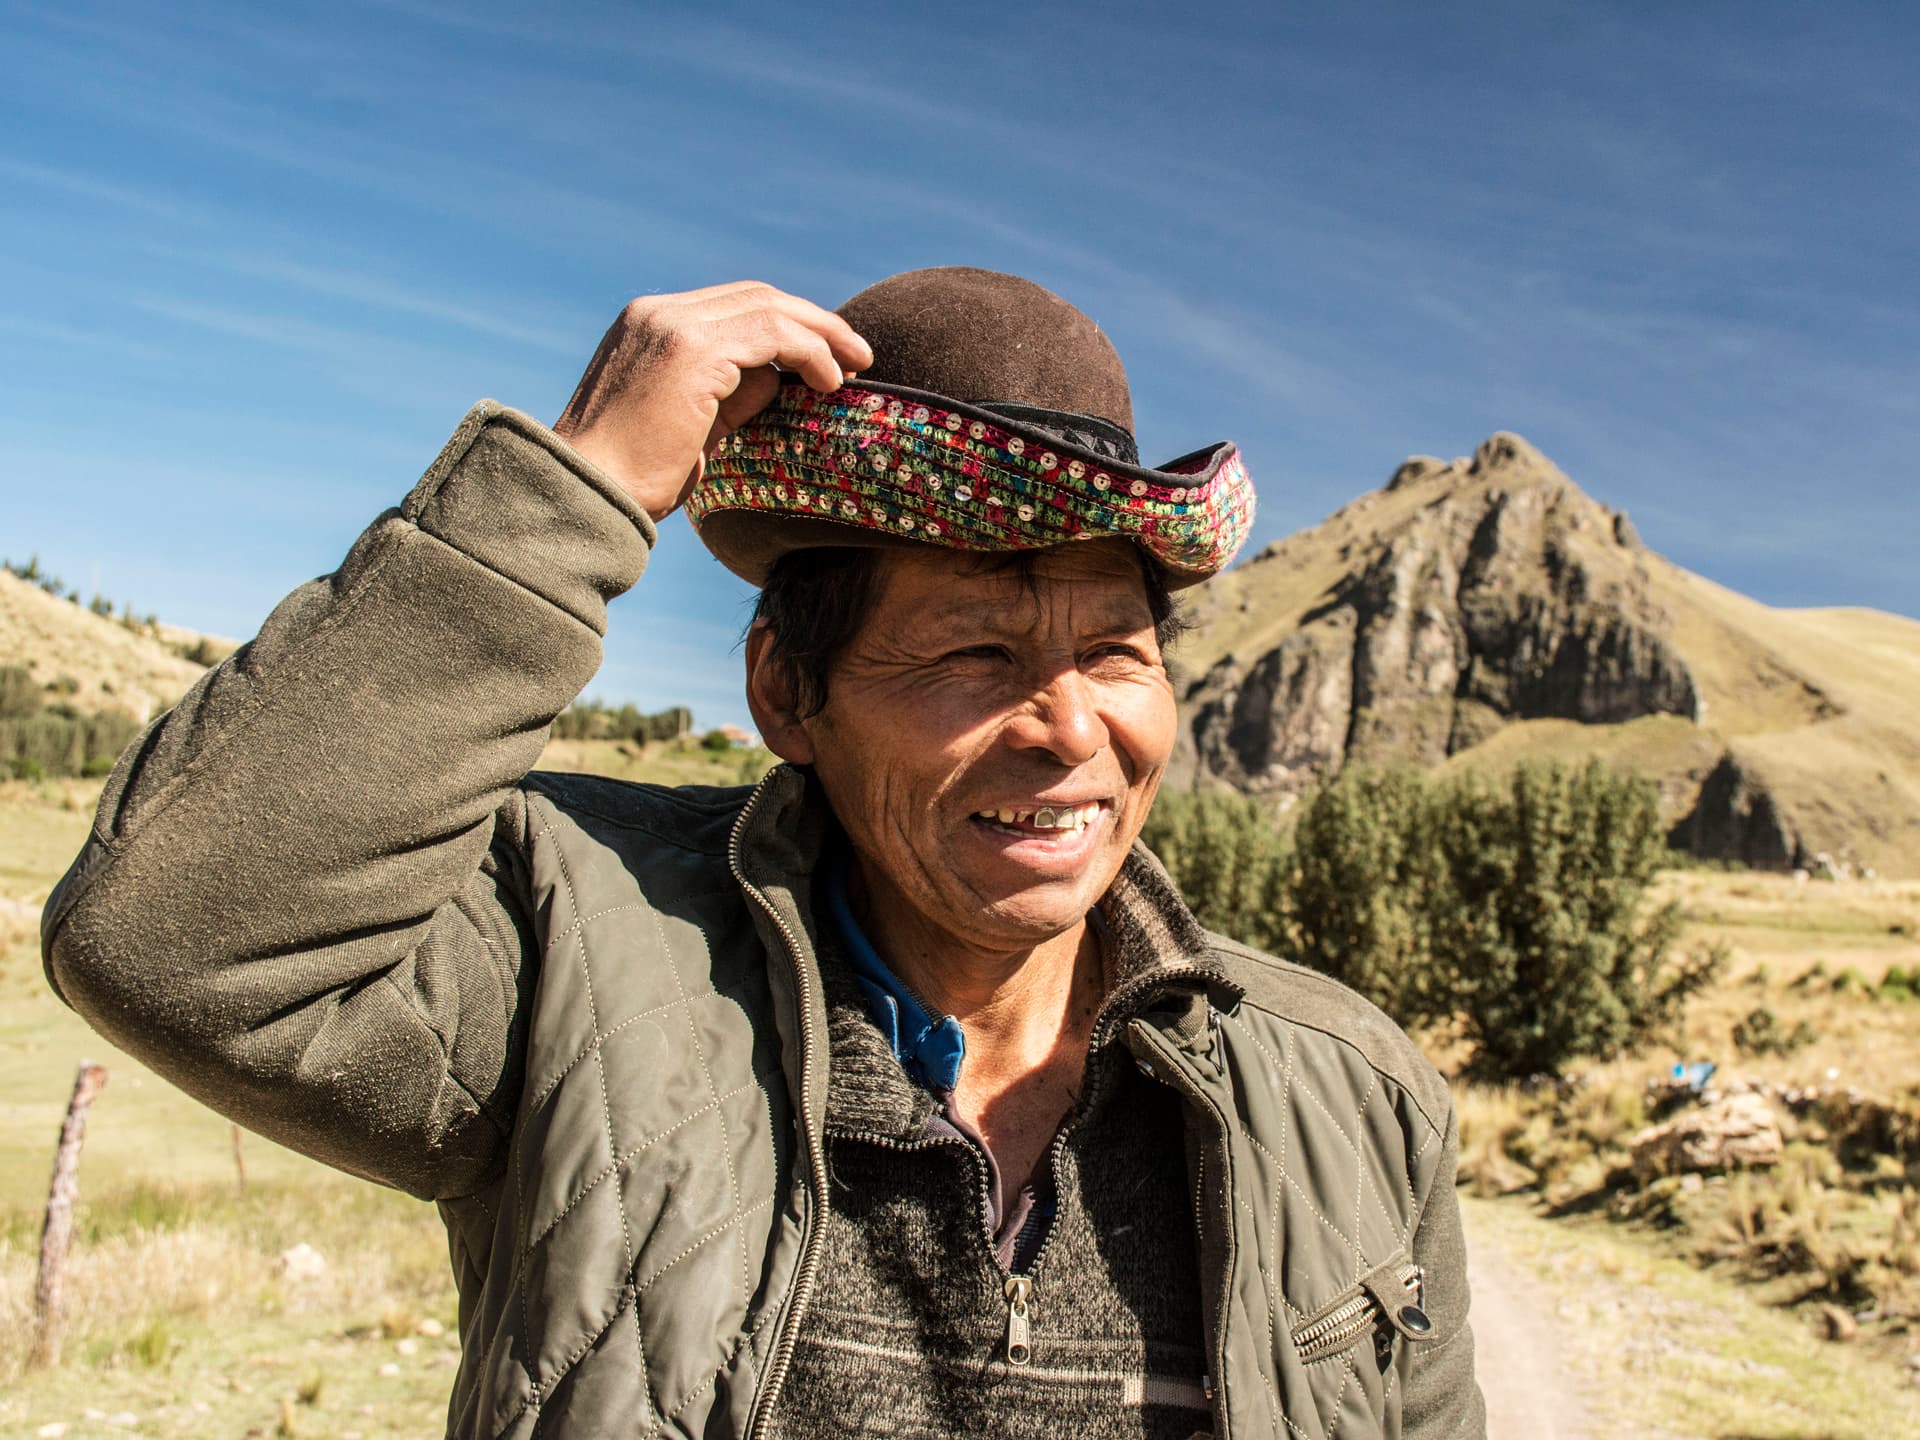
(1043, 819)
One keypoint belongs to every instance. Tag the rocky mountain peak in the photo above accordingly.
(1502, 454)
(1468, 594)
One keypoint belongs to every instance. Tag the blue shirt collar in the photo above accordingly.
(930, 1049)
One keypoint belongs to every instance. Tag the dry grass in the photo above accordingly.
(109, 666)
(1838, 1221)
(1666, 1351)
(677, 762)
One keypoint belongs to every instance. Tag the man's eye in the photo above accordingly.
(977, 652)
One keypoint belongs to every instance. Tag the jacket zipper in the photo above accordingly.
(1334, 1332)
(1346, 1323)
(810, 1246)
(1190, 1090)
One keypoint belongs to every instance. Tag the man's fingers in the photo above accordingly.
(747, 299)
(810, 354)
(770, 337)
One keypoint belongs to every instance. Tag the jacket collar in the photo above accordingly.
(1161, 966)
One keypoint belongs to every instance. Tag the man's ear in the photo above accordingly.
(771, 698)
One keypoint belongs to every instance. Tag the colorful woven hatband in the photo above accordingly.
(881, 463)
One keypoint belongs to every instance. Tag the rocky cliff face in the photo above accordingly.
(1494, 591)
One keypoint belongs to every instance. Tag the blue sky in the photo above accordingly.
(256, 261)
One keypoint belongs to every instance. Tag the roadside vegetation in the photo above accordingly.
(1508, 918)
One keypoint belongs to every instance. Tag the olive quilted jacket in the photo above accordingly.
(325, 895)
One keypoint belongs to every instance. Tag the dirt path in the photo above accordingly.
(1530, 1395)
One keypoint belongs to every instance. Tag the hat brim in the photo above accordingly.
(883, 465)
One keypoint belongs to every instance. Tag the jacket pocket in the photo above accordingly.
(1382, 1303)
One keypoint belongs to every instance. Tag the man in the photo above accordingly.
(900, 1096)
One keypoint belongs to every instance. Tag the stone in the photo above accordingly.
(1837, 1324)
(301, 1262)
(1739, 1131)
(1735, 817)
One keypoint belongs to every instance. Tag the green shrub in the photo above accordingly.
(1363, 888)
(1537, 927)
(592, 720)
(1515, 911)
(1223, 853)
(61, 741)
(1759, 1032)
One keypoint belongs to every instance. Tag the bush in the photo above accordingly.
(1537, 925)
(63, 742)
(592, 720)
(1224, 855)
(1365, 883)
(1515, 911)
(1760, 1033)
(716, 741)
(19, 695)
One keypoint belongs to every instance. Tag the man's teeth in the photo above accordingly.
(1048, 818)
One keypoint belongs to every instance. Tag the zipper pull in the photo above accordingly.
(1019, 1335)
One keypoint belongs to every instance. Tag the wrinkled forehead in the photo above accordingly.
(1100, 583)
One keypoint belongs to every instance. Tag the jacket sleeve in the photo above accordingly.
(304, 899)
(1442, 1399)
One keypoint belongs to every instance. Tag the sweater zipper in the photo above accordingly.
(810, 1249)
(1018, 1285)
(1021, 1284)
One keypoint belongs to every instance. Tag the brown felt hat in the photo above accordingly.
(995, 417)
(983, 338)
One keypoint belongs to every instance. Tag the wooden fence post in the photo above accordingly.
(56, 1238)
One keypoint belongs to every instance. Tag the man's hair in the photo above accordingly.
(815, 601)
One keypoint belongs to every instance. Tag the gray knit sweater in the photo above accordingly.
(908, 1333)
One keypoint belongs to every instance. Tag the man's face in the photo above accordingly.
(992, 742)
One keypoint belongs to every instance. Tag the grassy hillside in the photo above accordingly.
(95, 662)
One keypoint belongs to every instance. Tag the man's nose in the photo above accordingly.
(1062, 718)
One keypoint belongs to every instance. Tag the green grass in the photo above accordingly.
(679, 762)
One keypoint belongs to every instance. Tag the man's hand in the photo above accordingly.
(675, 373)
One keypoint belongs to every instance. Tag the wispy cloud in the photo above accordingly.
(397, 298)
(83, 185)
